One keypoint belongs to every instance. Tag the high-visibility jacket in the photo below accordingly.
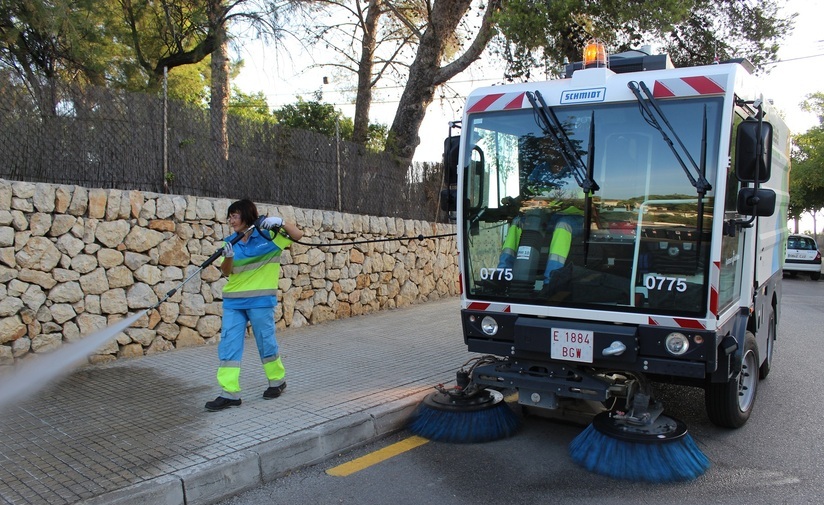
(560, 243)
(253, 282)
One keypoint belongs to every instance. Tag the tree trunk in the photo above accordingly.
(426, 74)
(365, 83)
(219, 102)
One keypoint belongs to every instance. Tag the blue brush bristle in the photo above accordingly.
(668, 461)
(476, 426)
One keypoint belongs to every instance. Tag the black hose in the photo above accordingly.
(356, 242)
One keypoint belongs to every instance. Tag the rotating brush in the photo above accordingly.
(653, 449)
(464, 414)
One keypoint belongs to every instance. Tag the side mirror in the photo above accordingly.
(756, 202)
(451, 149)
(753, 151)
(449, 200)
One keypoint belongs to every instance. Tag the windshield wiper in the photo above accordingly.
(701, 184)
(552, 126)
(649, 106)
(587, 194)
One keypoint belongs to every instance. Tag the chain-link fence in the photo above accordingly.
(100, 137)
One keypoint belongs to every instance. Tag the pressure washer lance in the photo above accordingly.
(39, 372)
(203, 265)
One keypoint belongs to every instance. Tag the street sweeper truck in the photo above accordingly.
(619, 227)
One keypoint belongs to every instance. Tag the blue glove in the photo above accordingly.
(268, 223)
(227, 251)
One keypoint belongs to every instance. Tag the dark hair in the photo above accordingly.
(247, 210)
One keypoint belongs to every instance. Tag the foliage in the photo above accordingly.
(42, 42)
(807, 175)
(421, 43)
(190, 83)
(376, 137)
(539, 33)
(315, 117)
(718, 30)
(253, 107)
(323, 118)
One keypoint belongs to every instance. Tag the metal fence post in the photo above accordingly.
(337, 160)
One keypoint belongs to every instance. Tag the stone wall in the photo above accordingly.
(74, 260)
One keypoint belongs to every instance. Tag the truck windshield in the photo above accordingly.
(641, 245)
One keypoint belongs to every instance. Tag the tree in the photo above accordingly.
(426, 72)
(132, 44)
(252, 107)
(323, 118)
(536, 33)
(697, 32)
(44, 43)
(315, 117)
(367, 42)
(807, 174)
(173, 33)
(718, 30)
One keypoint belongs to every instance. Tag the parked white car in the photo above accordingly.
(802, 256)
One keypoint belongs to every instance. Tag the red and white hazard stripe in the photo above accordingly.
(715, 279)
(496, 101)
(689, 86)
(677, 322)
(489, 307)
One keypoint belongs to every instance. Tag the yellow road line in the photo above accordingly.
(376, 457)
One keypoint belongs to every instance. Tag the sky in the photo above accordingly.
(282, 76)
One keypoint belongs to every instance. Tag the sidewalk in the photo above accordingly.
(136, 431)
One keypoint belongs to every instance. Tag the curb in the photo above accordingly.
(233, 474)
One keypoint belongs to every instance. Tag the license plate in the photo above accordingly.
(572, 345)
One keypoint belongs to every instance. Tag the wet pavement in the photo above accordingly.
(136, 430)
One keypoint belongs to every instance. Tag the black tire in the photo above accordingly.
(766, 366)
(815, 276)
(730, 404)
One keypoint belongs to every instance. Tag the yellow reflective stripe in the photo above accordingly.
(229, 379)
(282, 240)
(265, 277)
(255, 292)
(561, 243)
(274, 370)
(513, 237)
(254, 265)
(257, 261)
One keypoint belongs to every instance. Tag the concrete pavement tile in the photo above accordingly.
(139, 424)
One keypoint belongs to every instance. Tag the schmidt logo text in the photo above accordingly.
(583, 95)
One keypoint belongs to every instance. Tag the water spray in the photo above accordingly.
(31, 377)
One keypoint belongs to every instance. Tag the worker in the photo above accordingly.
(250, 296)
(548, 211)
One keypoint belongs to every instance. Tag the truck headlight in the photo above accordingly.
(677, 343)
(489, 325)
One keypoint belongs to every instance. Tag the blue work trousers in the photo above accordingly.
(234, 330)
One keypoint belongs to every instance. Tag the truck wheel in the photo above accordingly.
(764, 369)
(729, 404)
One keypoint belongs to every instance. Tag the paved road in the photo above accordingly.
(776, 458)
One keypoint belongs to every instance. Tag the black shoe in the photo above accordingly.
(221, 403)
(273, 392)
